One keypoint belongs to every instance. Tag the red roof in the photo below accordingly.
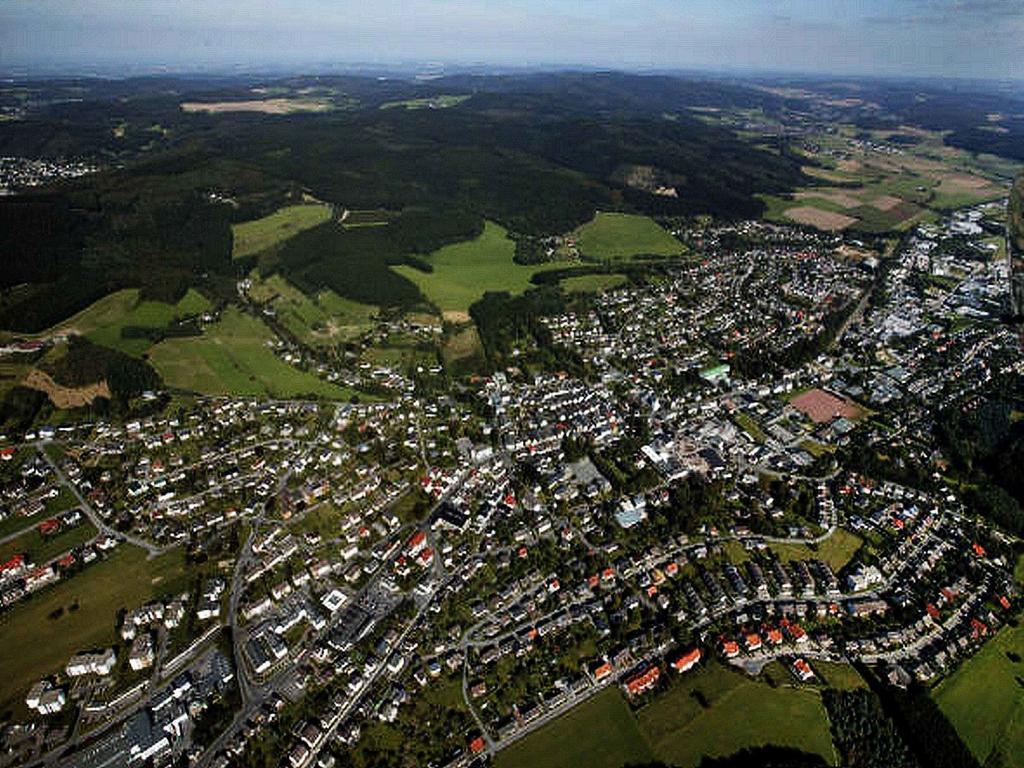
(686, 660)
(643, 681)
(932, 611)
(14, 563)
(476, 746)
(978, 549)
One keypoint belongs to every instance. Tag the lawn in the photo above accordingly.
(126, 579)
(232, 357)
(611, 236)
(442, 101)
(600, 733)
(837, 550)
(740, 712)
(43, 549)
(464, 271)
(107, 330)
(592, 283)
(984, 699)
(252, 237)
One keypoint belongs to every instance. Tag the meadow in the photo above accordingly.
(714, 711)
(984, 700)
(327, 319)
(252, 237)
(592, 283)
(616, 236)
(108, 321)
(464, 271)
(232, 357)
(87, 605)
(740, 712)
(600, 733)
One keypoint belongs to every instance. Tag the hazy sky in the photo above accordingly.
(960, 38)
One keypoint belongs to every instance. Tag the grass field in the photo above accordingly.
(676, 728)
(592, 283)
(601, 733)
(110, 318)
(327, 319)
(232, 357)
(126, 579)
(613, 236)
(463, 272)
(984, 699)
(837, 550)
(443, 101)
(741, 712)
(252, 237)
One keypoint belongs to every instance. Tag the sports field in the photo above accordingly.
(984, 700)
(252, 237)
(613, 236)
(600, 733)
(463, 272)
(126, 579)
(232, 357)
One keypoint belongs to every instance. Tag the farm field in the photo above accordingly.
(232, 357)
(252, 237)
(601, 733)
(592, 283)
(984, 700)
(278, 106)
(327, 319)
(837, 550)
(465, 271)
(615, 236)
(99, 591)
(740, 713)
(872, 191)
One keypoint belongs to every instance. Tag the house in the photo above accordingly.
(730, 649)
(643, 681)
(98, 663)
(141, 654)
(802, 670)
(686, 660)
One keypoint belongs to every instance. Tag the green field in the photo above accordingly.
(327, 319)
(600, 733)
(106, 319)
(676, 729)
(592, 283)
(611, 236)
(232, 357)
(837, 550)
(126, 579)
(741, 713)
(443, 101)
(463, 272)
(252, 237)
(984, 700)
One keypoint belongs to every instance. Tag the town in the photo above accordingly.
(699, 484)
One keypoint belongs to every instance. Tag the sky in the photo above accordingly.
(947, 38)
